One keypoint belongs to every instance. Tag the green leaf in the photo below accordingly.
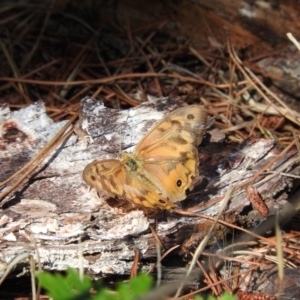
(105, 294)
(65, 287)
(227, 296)
(137, 286)
(197, 297)
(224, 296)
(74, 281)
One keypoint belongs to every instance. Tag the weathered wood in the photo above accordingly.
(58, 211)
(249, 24)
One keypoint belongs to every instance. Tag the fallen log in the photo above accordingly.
(71, 224)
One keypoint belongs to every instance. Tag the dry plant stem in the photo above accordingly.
(39, 265)
(284, 174)
(65, 89)
(14, 68)
(239, 126)
(217, 283)
(122, 62)
(279, 254)
(109, 80)
(64, 111)
(81, 260)
(179, 50)
(201, 58)
(206, 276)
(37, 42)
(161, 55)
(144, 43)
(76, 64)
(230, 249)
(277, 172)
(25, 26)
(10, 17)
(21, 92)
(293, 40)
(32, 277)
(214, 277)
(252, 83)
(158, 265)
(257, 236)
(150, 66)
(204, 242)
(14, 262)
(39, 157)
(248, 74)
(164, 255)
(262, 171)
(230, 91)
(130, 38)
(125, 97)
(35, 71)
(213, 68)
(106, 69)
(232, 259)
(129, 33)
(175, 69)
(296, 138)
(143, 93)
(134, 268)
(49, 145)
(245, 277)
(266, 166)
(35, 164)
(203, 205)
(156, 237)
(96, 93)
(80, 55)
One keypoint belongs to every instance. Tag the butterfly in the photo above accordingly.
(161, 167)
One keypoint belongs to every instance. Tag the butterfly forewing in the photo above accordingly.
(172, 155)
(184, 124)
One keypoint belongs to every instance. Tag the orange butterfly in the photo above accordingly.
(162, 166)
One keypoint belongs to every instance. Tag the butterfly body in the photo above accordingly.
(161, 168)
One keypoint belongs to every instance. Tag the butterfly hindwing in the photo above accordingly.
(114, 179)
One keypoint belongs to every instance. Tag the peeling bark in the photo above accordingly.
(57, 210)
